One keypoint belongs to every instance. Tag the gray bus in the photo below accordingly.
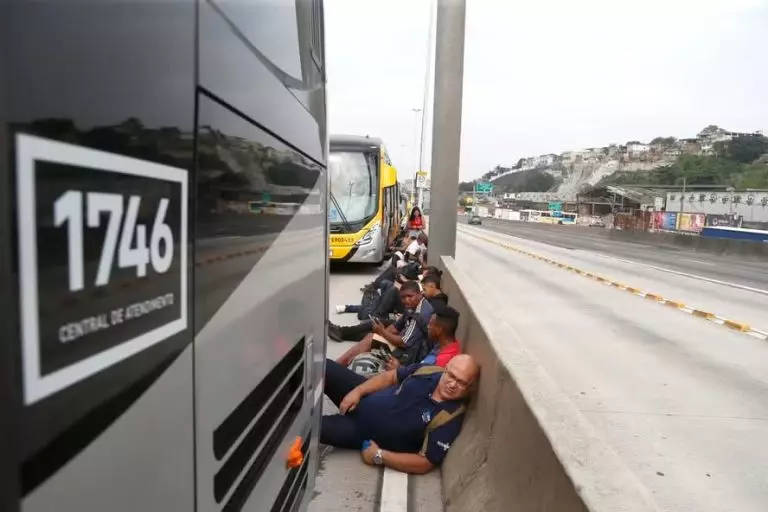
(163, 338)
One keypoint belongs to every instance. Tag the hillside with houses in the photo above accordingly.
(714, 155)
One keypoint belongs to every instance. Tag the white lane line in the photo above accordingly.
(701, 262)
(662, 269)
(684, 274)
(394, 491)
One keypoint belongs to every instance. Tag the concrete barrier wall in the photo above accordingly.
(524, 446)
(745, 248)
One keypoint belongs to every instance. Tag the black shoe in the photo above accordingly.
(334, 332)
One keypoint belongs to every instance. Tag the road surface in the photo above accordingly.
(682, 400)
(726, 268)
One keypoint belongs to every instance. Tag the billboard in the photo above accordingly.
(691, 222)
(669, 221)
(721, 219)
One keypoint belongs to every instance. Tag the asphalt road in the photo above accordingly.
(725, 268)
(683, 401)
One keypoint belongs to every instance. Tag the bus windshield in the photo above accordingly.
(353, 185)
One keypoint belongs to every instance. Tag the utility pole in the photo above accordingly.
(415, 131)
(446, 126)
(425, 92)
(682, 197)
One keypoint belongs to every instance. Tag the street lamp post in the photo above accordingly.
(415, 149)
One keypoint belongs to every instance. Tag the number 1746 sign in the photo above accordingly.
(102, 260)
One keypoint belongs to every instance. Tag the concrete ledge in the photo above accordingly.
(524, 446)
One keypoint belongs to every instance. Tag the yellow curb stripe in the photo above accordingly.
(731, 324)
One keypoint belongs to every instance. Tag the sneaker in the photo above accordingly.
(341, 308)
(334, 332)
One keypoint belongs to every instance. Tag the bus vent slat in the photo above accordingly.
(292, 485)
(257, 447)
(233, 426)
(300, 495)
(260, 463)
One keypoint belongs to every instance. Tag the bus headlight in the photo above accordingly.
(368, 237)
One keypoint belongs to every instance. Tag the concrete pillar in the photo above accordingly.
(446, 127)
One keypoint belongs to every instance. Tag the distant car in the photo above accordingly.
(596, 222)
(475, 219)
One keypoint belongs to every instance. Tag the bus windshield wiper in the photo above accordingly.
(341, 212)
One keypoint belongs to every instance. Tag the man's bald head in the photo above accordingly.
(465, 367)
(460, 373)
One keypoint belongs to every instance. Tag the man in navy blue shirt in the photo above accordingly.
(407, 333)
(405, 419)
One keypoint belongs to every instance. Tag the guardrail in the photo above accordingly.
(524, 445)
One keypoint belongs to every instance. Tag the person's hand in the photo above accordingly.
(350, 401)
(392, 363)
(378, 327)
(369, 452)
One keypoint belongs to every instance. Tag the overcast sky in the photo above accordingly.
(551, 75)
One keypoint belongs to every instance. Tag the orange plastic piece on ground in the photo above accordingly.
(295, 457)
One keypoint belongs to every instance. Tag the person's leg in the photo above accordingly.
(339, 381)
(385, 285)
(358, 348)
(340, 431)
(348, 308)
(387, 303)
(355, 332)
(387, 275)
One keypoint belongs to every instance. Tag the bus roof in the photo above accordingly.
(354, 141)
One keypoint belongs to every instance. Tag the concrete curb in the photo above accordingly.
(524, 445)
(685, 308)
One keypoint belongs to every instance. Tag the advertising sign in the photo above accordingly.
(691, 222)
(555, 206)
(715, 220)
(102, 257)
(669, 221)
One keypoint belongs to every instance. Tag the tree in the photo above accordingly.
(747, 148)
(538, 181)
(466, 186)
(711, 130)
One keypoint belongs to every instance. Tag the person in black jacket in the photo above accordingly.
(431, 289)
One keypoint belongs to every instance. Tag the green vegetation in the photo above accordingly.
(737, 163)
(523, 181)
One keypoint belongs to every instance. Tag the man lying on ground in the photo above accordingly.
(408, 333)
(405, 419)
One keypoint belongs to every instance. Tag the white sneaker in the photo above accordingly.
(341, 308)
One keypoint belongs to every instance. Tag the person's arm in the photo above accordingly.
(372, 385)
(390, 335)
(413, 463)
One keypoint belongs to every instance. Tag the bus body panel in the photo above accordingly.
(120, 439)
(171, 425)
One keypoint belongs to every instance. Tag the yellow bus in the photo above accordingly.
(364, 200)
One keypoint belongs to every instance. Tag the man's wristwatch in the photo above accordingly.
(378, 458)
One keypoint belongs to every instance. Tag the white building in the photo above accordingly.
(638, 148)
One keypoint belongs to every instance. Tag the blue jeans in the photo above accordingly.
(337, 429)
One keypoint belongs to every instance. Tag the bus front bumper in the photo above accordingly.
(371, 252)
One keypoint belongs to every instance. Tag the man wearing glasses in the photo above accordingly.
(405, 419)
